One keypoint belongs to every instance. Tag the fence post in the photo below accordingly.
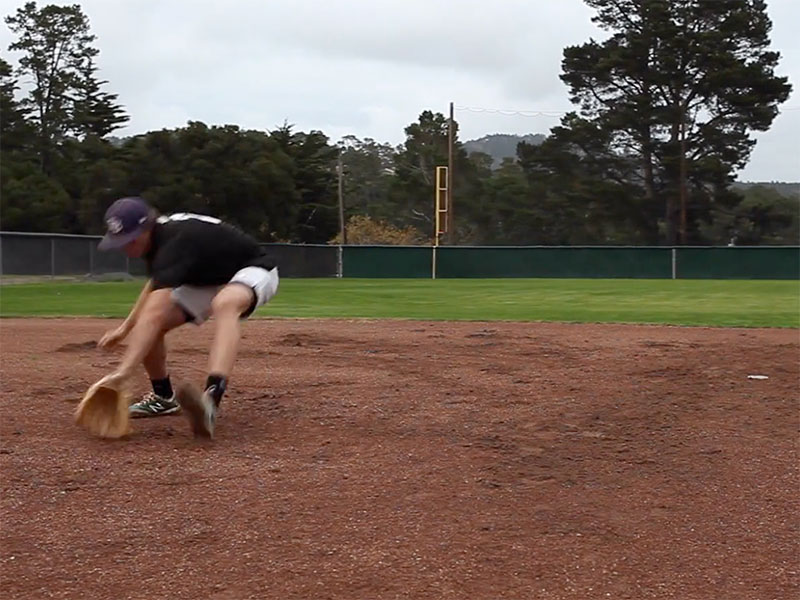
(52, 257)
(339, 261)
(674, 263)
(91, 258)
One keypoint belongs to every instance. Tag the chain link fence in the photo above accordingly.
(55, 255)
(60, 255)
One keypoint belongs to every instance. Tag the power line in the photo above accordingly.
(509, 112)
(546, 113)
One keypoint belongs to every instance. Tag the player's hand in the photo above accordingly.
(113, 337)
(114, 380)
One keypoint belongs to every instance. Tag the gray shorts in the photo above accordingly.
(196, 301)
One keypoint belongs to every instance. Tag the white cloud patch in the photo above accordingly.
(367, 68)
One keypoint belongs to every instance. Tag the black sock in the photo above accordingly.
(218, 383)
(162, 387)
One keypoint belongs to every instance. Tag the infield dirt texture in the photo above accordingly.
(408, 459)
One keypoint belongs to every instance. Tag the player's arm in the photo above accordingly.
(113, 337)
(137, 308)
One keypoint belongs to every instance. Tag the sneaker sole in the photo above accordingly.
(135, 414)
(191, 401)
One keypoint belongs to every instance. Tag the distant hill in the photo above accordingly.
(501, 145)
(117, 142)
(791, 190)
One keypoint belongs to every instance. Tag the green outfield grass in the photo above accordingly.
(678, 302)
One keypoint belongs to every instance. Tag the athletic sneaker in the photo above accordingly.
(201, 410)
(153, 405)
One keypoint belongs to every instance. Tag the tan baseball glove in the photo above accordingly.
(103, 411)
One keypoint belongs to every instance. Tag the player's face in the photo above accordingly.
(139, 246)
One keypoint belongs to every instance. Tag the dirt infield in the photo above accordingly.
(406, 459)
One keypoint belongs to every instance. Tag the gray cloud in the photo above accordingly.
(366, 68)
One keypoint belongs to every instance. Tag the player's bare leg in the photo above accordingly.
(155, 361)
(227, 308)
(159, 315)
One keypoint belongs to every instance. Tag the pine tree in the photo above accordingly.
(58, 56)
(677, 88)
(94, 112)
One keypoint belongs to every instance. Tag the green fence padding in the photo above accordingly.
(297, 260)
(58, 254)
(739, 262)
(629, 263)
(387, 261)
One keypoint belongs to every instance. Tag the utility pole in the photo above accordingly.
(342, 226)
(450, 141)
(684, 193)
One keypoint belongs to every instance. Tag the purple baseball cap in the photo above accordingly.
(125, 220)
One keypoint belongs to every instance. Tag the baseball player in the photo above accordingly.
(198, 267)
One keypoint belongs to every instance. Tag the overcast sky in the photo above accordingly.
(368, 68)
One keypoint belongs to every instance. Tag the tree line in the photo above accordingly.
(664, 111)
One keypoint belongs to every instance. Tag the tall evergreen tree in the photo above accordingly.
(94, 112)
(367, 172)
(15, 130)
(315, 162)
(425, 148)
(29, 201)
(677, 89)
(57, 54)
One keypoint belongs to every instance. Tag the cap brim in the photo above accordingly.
(115, 242)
